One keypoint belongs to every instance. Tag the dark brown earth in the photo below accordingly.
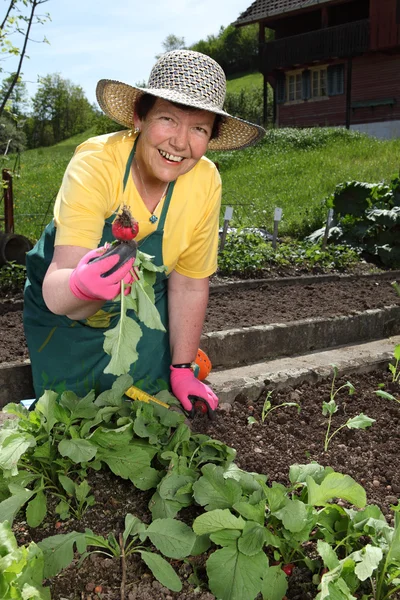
(268, 303)
(270, 447)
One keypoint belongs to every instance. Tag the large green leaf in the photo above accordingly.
(36, 510)
(162, 509)
(217, 520)
(274, 584)
(46, 405)
(8, 542)
(235, 576)
(58, 551)
(294, 515)
(367, 559)
(173, 538)
(253, 539)
(213, 491)
(162, 571)
(13, 447)
(80, 408)
(126, 462)
(147, 311)
(79, 451)
(251, 512)
(112, 438)
(10, 507)
(336, 485)
(120, 343)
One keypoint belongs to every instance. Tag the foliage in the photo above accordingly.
(367, 218)
(171, 42)
(12, 138)
(12, 278)
(21, 568)
(248, 104)
(268, 408)
(48, 451)
(246, 252)
(19, 17)
(60, 110)
(234, 48)
(329, 408)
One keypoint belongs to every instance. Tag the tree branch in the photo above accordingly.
(35, 3)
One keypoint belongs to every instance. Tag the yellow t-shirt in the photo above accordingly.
(92, 190)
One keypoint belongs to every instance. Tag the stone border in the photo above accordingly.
(234, 347)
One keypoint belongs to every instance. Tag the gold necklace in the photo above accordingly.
(153, 218)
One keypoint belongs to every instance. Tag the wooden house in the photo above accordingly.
(331, 62)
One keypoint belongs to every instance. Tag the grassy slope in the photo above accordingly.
(292, 169)
(237, 82)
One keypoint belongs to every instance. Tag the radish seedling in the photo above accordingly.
(268, 408)
(360, 421)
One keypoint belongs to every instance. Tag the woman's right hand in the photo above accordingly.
(99, 273)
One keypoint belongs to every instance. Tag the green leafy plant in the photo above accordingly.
(360, 421)
(12, 277)
(256, 525)
(172, 538)
(49, 451)
(367, 218)
(21, 568)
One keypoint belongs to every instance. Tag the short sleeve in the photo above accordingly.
(88, 195)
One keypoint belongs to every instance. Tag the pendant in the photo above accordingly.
(153, 219)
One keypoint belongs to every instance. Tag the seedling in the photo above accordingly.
(268, 408)
(394, 369)
(360, 421)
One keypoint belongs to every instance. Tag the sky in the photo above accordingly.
(116, 39)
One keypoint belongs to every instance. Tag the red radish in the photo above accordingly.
(125, 228)
(287, 569)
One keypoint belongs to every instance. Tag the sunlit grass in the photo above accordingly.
(291, 168)
(237, 82)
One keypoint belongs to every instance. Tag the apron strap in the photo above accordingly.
(129, 163)
(171, 186)
(164, 211)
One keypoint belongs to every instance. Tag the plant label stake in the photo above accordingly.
(277, 218)
(227, 218)
(327, 228)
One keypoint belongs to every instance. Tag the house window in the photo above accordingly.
(335, 80)
(294, 86)
(318, 83)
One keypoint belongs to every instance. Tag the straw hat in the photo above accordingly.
(186, 77)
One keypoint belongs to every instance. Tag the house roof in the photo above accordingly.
(262, 9)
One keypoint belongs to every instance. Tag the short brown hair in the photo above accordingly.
(146, 102)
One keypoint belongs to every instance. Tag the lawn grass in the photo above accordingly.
(240, 81)
(36, 186)
(291, 169)
(296, 169)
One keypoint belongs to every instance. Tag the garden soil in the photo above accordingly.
(285, 437)
(266, 304)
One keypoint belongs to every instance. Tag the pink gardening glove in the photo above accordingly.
(99, 273)
(191, 392)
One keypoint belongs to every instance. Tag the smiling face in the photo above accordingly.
(172, 141)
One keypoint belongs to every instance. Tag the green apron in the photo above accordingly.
(69, 355)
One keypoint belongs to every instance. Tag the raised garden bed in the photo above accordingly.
(269, 447)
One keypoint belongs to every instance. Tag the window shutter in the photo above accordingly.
(306, 85)
(335, 80)
(281, 88)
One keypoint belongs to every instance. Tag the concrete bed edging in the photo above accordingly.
(251, 380)
(234, 347)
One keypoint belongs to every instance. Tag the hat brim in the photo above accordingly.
(117, 101)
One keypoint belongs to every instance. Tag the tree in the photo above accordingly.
(171, 42)
(16, 21)
(60, 110)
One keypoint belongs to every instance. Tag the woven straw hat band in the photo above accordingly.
(188, 78)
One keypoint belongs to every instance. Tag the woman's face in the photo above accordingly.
(172, 140)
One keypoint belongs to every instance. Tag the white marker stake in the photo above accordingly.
(327, 228)
(277, 218)
(227, 218)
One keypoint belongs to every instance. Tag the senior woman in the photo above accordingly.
(157, 168)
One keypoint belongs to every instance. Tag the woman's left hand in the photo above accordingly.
(184, 384)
